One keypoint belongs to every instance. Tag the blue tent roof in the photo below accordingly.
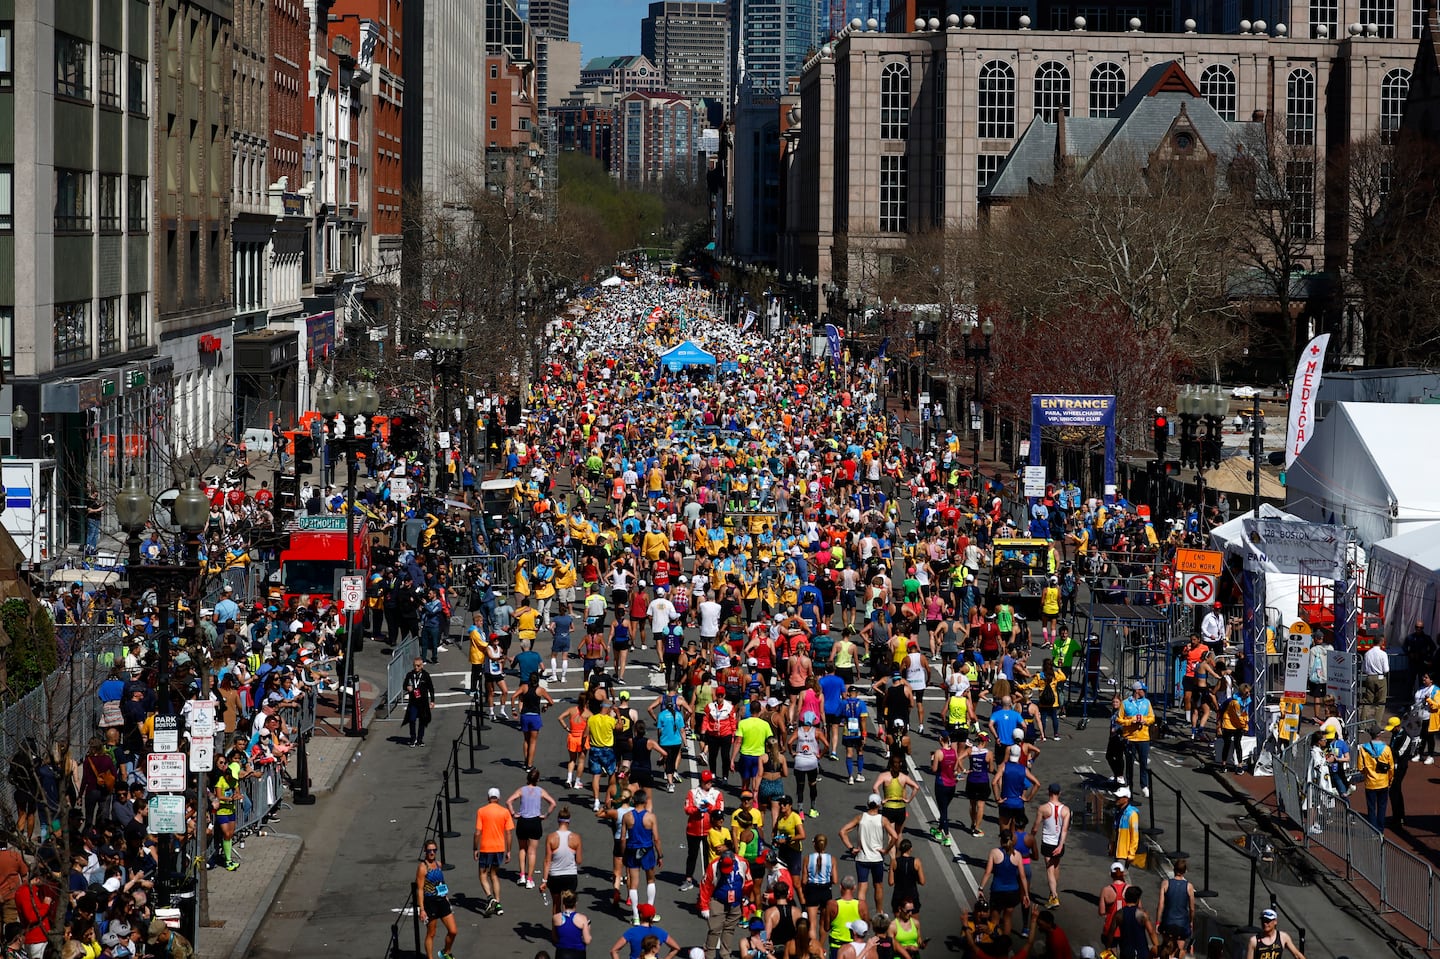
(686, 354)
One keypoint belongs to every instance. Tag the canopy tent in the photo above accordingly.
(1233, 476)
(611, 281)
(1370, 466)
(684, 355)
(1282, 590)
(1405, 569)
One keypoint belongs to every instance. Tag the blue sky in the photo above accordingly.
(607, 28)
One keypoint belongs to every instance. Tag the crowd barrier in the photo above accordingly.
(1399, 881)
(400, 659)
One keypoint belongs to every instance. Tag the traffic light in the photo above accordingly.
(304, 450)
(1172, 468)
(1162, 434)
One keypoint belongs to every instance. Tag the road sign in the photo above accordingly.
(352, 593)
(167, 814)
(1034, 481)
(1340, 678)
(167, 734)
(165, 772)
(1199, 589)
(320, 524)
(400, 489)
(924, 400)
(1210, 562)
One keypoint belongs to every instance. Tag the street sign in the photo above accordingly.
(1340, 678)
(167, 815)
(1034, 481)
(320, 524)
(1199, 589)
(400, 489)
(200, 718)
(352, 593)
(925, 413)
(202, 752)
(167, 734)
(1210, 562)
(165, 772)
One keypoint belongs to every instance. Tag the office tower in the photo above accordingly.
(688, 42)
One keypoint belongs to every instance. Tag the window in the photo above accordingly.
(1324, 13)
(107, 78)
(72, 201)
(937, 162)
(7, 197)
(1393, 91)
(1300, 108)
(7, 48)
(986, 166)
(7, 339)
(892, 193)
(494, 124)
(997, 101)
(494, 98)
(494, 72)
(1382, 14)
(1060, 18)
(135, 325)
(895, 102)
(72, 332)
(72, 67)
(137, 204)
(1300, 186)
(1417, 18)
(137, 86)
(1107, 89)
(107, 320)
(1052, 91)
(1217, 86)
(109, 205)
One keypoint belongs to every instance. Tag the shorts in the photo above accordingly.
(918, 692)
(867, 871)
(1003, 900)
(490, 860)
(896, 817)
(559, 884)
(640, 858)
(748, 767)
(602, 761)
(847, 599)
(977, 792)
(560, 644)
(1189, 685)
(771, 789)
(620, 644)
(1316, 690)
(528, 828)
(1180, 932)
(437, 907)
(224, 818)
(530, 722)
(832, 719)
(817, 894)
(846, 673)
(1047, 850)
(990, 655)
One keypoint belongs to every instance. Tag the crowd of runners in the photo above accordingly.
(727, 545)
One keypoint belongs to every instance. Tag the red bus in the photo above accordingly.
(311, 566)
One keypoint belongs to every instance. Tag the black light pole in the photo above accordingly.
(446, 351)
(925, 334)
(978, 352)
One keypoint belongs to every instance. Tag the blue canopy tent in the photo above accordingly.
(685, 355)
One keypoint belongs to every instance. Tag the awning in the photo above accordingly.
(686, 354)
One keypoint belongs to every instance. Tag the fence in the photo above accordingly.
(1400, 882)
(404, 653)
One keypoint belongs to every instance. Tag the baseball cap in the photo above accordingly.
(706, 776)
(874, 799)
(1087, 952)
(756, 923)
(1137, 685)
(858, 927)
(1392, 723)
(1117, 866)
(623, 695)
(1123, 792)
(121, 929)
(752, 661)
(1217, 605)
(493, 793)
(647, 911)
(1269, 915)
(109, 940)
(1014, 753)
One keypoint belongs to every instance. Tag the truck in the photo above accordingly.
(316, 557)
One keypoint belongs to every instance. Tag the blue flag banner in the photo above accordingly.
(832, 333)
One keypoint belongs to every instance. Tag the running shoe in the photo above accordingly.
(529, 882)
(814, 813)
(936, 834)
(946, 841)
(687, 885)
(231, 866)
(496, 909)
(1052, 902)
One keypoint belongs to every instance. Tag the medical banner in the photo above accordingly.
(1049, 409)
(832, 333)
(1302, 397)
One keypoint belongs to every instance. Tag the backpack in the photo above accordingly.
(729, 887)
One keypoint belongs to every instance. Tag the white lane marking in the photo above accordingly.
(950, 867)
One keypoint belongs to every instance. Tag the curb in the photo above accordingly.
(267, 899)
(325, 788)
(1342, 895)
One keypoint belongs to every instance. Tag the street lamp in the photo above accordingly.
(19, 419)
(447, 351)
(1214, 404)
(925, 334)
(978, 352)
(1188, 402)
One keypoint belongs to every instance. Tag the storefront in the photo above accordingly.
(267, 378)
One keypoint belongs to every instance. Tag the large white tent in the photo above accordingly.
(1282, 590)
(1405, 569)
(1370, 466)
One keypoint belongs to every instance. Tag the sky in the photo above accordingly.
(607, 28)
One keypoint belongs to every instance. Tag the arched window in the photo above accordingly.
(1300, 108)
(1052, 91)
(1107, 89)
(997, 101)
(1217, 86)
(895, 102)
(1393, 91)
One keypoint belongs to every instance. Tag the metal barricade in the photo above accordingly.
(1409, 882)
(1367, 850)
(395, 670)
(261, 796)
(305, 721)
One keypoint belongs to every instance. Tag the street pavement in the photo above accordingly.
(350, 883)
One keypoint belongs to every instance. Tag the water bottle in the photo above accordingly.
(545, 895)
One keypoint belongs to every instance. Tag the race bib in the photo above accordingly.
(441, 889)
(852, 726)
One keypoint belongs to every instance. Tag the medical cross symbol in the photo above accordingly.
(1314, 350)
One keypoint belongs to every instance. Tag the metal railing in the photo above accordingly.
(1399, 881)
(395, 670)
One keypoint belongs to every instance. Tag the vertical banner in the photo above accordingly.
(1054, 410)
(749, 321)
(832, 333)
(1302, 397)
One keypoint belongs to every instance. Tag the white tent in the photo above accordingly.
(1370, 466)
(1405, 569)
(1282, 590)
(611, 281)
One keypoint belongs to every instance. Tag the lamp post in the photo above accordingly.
(19, 419)
(925, 334)
(348, 416)
(978, 352)
(447, 349)
(191, 509)
(1213, 405)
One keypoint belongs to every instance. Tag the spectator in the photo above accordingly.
(1377, 763)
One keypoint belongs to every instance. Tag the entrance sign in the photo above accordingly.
(1048, 409)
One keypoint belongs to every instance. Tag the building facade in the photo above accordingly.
(585, 122)
(557, 70)
(657, 137)
(626, 74)
(443, 44)
(898, 133)
(770, 41)
(689, 43)
(549, 18)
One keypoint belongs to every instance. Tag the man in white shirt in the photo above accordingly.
(709, 611)
(1213, 627)
(1374, 681)
(662, 613)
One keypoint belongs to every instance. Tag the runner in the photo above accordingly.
(433, 895)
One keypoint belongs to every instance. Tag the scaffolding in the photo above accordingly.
(1119, 645)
